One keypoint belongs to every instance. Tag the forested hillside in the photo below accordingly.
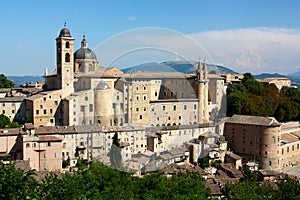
(253, 98)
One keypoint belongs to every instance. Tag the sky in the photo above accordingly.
(246, 36)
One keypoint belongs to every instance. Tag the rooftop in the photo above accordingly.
(253, 120)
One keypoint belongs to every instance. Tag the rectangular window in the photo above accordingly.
(91, 107)
(164, 108)
(185, 107)
(155, 94)
(37, 112)
(3, 111)
(137, 109)
(56, 103)
(13, 111)
(141, 116)
(41, 106)
(45, 111)
(51, 111)
(49, 144)
(174, 107)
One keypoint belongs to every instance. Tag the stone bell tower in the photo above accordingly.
(64, 62)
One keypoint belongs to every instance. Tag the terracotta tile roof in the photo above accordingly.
(233, 155)
(13, 99)
(287, 137)
(49, 138)
(253, 120)
(11, 131)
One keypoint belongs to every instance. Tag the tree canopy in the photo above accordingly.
(4, 82)
(99, 182)
(102, 182)
(253, 98)
(6, 123)
(250, 188)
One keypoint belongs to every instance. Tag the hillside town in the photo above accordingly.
(164, 121)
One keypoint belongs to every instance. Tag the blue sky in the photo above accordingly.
(256, 36)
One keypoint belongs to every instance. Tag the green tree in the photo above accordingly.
(213, 72)
(253, 98)
(115, 153)
(16, 184)
(288, 189)
(4, 82)
(6, 123)
(249, 188)
(235, 103)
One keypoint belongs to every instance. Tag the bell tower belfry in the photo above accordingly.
(64, 62)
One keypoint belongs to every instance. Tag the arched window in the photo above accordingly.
(67, 57)
(81, 67)
(67, 45)
(90, 67)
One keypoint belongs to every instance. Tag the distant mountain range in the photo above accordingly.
(19, 80)
(176, 66)
(172, 66)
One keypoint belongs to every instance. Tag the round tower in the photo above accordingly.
(103, 104)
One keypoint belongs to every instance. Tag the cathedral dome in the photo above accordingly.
(64, 33)
(84, 53)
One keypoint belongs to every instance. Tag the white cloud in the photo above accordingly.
(254, 50)
(131, 18)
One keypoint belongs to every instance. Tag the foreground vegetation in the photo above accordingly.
(101, 182)
(253, 98)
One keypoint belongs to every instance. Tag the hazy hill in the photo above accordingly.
(19, 80)
(295, 75)
(268, 75)
(176, 66)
